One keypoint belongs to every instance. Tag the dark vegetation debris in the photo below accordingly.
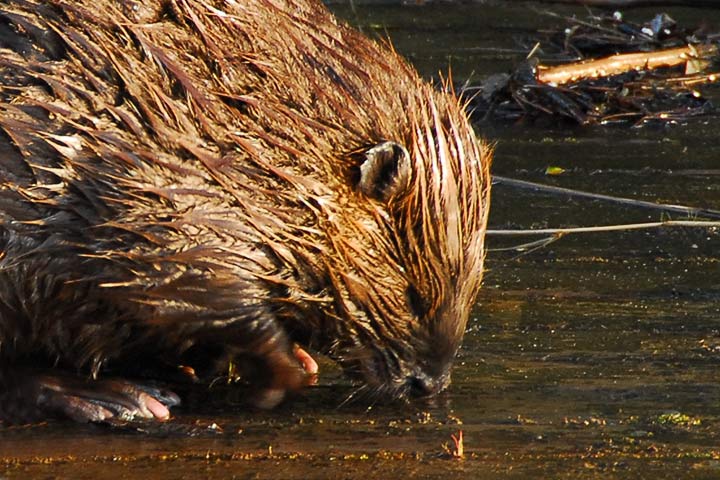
(626, 78)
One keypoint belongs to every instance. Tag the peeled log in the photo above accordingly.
(622, 63)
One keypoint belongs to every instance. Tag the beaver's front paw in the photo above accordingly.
(288, 373)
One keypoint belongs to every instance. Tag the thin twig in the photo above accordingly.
(639, 3)
(601, 228)
(690, 211)
(526, 247)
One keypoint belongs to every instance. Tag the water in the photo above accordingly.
(597, 356)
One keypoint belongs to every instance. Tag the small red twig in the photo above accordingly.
(459, 451)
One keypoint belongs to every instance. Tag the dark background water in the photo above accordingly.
(597, 356)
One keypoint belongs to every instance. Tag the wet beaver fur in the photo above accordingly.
(194, 182)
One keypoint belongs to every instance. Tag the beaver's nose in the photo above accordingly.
(422, 385)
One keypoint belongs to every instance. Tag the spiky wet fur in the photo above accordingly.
(179, 182)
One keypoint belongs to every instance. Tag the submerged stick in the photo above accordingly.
(622, 63)
(690, 211)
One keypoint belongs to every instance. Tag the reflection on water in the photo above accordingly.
(595, 357)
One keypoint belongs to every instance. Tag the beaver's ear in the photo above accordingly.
(385, 171)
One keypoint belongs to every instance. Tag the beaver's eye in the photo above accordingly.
(418, 305)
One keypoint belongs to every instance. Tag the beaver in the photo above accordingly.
(188, 184)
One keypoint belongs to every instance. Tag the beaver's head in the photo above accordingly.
(402, 252)
(411, 256)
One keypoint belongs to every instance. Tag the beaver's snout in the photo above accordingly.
(421, 385)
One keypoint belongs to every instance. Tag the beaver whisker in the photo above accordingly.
(356, 394)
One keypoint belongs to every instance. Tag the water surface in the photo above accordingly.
(597, 356)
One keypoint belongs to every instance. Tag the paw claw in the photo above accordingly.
(154, 408)
(308, 362)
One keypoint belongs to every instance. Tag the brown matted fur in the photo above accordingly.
(198, 181)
